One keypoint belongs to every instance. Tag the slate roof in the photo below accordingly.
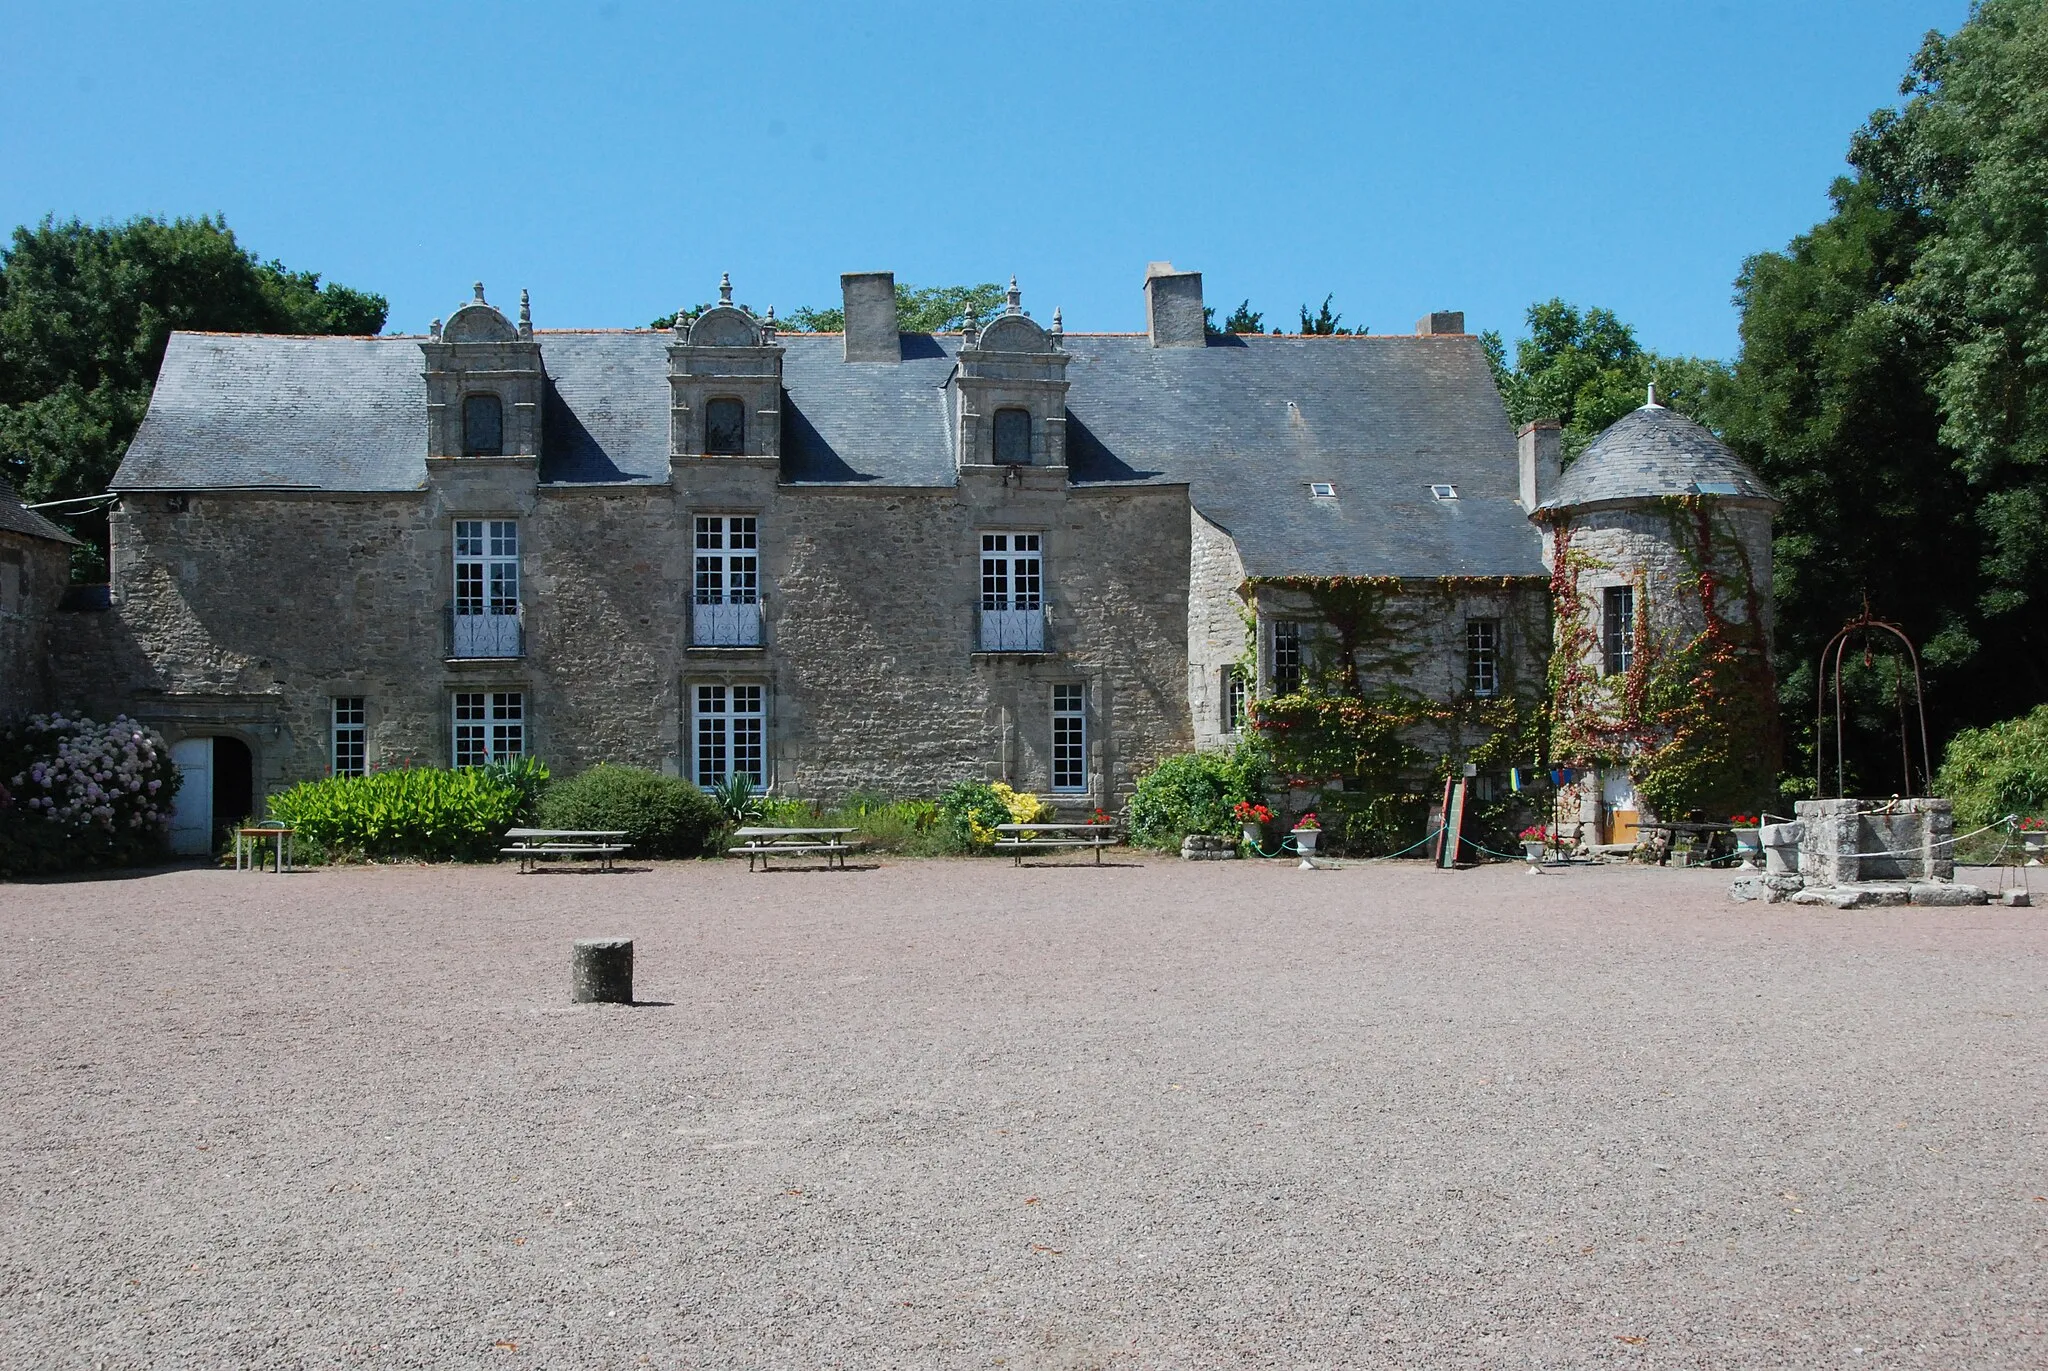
(1246, 423)
(16, 517)
(1654, 451)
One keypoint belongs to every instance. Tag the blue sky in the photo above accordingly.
(614, 158)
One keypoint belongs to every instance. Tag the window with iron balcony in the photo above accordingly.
(1012, 593)
(487, 607)
(725, 608)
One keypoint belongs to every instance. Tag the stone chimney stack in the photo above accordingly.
(1173, 307)
(870, 302)
(1541, 449)
(1441, 321)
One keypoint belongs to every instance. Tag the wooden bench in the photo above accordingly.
(534, 845)
(759, 844)
(1025, 838)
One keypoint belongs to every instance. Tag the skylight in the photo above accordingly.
(1321, 490)
(1444, 492)
(1715, 488)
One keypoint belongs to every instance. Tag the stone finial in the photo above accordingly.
(479, 292)
(768, 325)
(1059, 328)
(970, 326)
(525, 316)
(1015, 297)
(724, 287)
(682, 324)
(434, 329)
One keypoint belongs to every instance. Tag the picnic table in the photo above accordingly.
(762, 843)
(1673, 829)
(1023, 838)
(534, 845)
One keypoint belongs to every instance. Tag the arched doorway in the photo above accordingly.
(218, 788)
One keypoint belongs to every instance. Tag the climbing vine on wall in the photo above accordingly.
(1695, 715)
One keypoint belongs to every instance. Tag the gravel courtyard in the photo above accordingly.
(958, 1114)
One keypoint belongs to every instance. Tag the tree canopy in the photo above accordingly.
(85, 314)
(919, 309)
(1585, 369)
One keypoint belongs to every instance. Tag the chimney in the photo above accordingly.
(870, 301)
(1173, 307)
(1441, 321)
(1539, 445)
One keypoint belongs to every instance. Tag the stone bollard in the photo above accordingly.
(602, 971)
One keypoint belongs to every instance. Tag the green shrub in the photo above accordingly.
(75, 794)
(1988, 773)
(968, 814)
(424, 813)
(661, 816)
(1192, 792)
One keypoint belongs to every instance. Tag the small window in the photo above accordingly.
(1233, 699)
(1286, 656)
(732, 734)
(1444, 492)
(725, 428)
(483, 426)
(351, 736)
(1013, 437)
(1069, 738)
(1482, 657)
(490, 726)
(1321, 490)
(1618, 628)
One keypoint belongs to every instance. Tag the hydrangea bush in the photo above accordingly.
(76, 794)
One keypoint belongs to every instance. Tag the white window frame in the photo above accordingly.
(1482, 657)
(489, 726)
(487, 603)
(1233, 699)
(1012, 591)
(348, 725)
(725, 608)
(728, 729)
(1069, 738)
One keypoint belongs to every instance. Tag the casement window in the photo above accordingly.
(1233, 699)
(1069, 737)
(1482, 657)
(725, 428)
(486, 588)
(483, 426)
(1286, 656)
(1618, 628)
(727, 595)
(1013, 437)
(1012, 593)
(490, 726)
(350, 736)
(731, 734)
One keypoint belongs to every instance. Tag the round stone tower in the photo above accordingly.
(1659, 543)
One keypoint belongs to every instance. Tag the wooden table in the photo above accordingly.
(249, 844)
(763, 843)
(534, 845)
(1024, 838)
(1676, 827)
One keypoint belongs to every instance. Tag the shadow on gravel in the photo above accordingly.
(589, 871)
(815, 870)
(1082, 866)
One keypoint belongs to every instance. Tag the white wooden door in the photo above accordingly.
(192, 812)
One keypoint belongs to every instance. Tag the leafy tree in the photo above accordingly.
(1323, 322)
(1243, 319)
(919, 309)
(85, 314)
(1585, 369)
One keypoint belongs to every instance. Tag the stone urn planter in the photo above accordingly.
(1748, 846)
(1532, 850)
(2035, 842)
(1252, 836)
(1305, 844)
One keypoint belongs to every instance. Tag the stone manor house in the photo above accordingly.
(874, 560)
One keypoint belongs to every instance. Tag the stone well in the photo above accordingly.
(1843, 840)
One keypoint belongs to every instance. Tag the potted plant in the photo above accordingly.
(2034, 838)
(1252, 820)
(1305, 832)
(1534, 839)
(1747, 830)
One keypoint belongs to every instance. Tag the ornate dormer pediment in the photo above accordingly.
(1012, 386)
(725, 383)
(485, 380)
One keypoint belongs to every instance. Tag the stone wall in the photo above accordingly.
(1216, 626)
(33, 574)
(245, 614)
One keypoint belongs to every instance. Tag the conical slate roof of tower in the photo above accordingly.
(1654, 451)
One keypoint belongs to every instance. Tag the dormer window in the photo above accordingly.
(725, 428)
(1013, 437)
(483, 426)
(1444, 492)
